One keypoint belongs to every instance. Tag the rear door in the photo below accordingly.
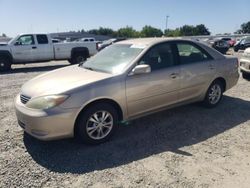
(197, 68)
(160, 87)
(44, 49)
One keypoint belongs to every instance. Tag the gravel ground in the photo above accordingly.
(189, 146)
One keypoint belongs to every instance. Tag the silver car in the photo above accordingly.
(245, 64)
(125, 81)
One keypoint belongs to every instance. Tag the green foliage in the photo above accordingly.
(102, 31)
(188, 30)
(128, 32)
(201, 30)
(149, 31)
(245, 28)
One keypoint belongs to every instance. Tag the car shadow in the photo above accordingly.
(169, 130)
(33, 69)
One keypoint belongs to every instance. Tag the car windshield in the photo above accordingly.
(113, 59)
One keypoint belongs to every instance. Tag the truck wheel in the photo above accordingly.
(5, 63)
(96, 124)
(78, 58)
(245, 75)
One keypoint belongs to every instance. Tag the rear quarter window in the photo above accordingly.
(42, 39)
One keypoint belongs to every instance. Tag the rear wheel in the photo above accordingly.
(5, 63)
(78, 57)
(245, 75)
(214, 94)
(96, 124)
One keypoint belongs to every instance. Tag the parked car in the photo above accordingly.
(245, 64)
(218, 44)
(242, 44)
(128, 80)
(28, 48)
(229, 40)
(106, 43)
(221, 45)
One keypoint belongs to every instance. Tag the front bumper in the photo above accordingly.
(245, 65)
(46, 125)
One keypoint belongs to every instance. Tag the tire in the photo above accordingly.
(5, 63)
(214, 94)
(236, 49)
(90, 127)
(78, 57)
(245, 75)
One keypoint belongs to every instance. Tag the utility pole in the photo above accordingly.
(167, 23)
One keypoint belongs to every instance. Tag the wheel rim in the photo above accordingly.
(214, 94)
(99, 125)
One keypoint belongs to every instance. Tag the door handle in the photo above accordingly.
(211, 67)
(34, 47)
(173, 75)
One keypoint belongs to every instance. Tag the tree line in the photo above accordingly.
(149, 31)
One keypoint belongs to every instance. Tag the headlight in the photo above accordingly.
(46, 102)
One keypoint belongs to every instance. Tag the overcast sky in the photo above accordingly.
(26, 16)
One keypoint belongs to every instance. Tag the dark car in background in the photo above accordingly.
(221, 45)
(242, 44)
(229, 40)
(217, 43)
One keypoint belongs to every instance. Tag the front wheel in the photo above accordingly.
(96, 124)
(214, 94)
(5, 63)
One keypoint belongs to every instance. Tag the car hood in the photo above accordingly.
(61, 81)
(4, 46)
(3, 43)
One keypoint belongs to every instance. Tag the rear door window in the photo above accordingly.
(189, 53)
(42, 39)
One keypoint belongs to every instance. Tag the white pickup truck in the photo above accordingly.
(28, 48)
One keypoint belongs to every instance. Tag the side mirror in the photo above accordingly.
(18, 43)
(140, 69)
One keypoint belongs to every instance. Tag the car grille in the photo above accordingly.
(24, 99)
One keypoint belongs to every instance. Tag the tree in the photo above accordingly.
(245, 28)
(187, 30)
(190, 30)
(149, 31)
(127, 32)
(172, 32)
(4, 35)
(201, 30)
(102, 31)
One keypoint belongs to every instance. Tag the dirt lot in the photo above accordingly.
(189, 146)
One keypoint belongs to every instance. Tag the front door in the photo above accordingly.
(24, 49)
(160, 87)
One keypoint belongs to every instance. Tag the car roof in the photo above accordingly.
(151, 41)
(148, 42)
